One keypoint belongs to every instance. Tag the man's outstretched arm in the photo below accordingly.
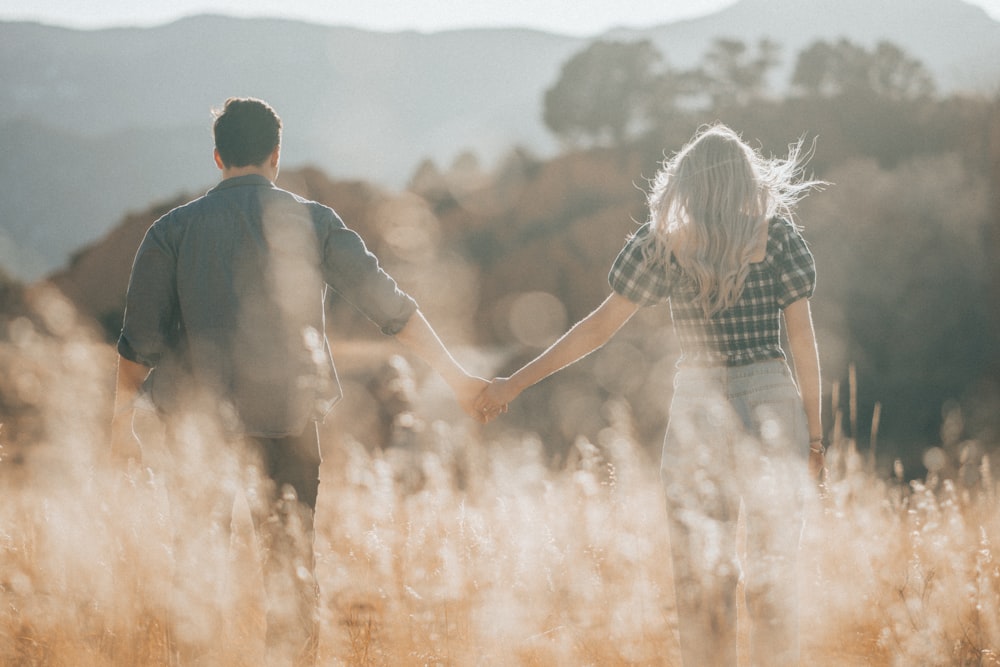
(420, 337)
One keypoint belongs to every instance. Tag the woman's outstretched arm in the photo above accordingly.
(584, 337)
(805, 356)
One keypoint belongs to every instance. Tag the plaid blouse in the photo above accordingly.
(750, 330)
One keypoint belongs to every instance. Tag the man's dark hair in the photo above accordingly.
(247, 131)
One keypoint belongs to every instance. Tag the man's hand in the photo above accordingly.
(126, 451)
(124, 445)
(467, 392)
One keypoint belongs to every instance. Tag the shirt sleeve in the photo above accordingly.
(796, 268)
(351, 270)
(150, 323)
(637, 280)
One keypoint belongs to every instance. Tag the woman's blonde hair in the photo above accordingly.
(710, 204)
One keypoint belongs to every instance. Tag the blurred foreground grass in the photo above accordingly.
(467, 549)
(491, 558)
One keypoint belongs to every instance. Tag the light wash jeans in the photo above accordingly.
(734, 468)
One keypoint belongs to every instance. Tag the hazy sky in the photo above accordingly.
(575, 17)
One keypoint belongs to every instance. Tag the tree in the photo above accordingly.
(737, 76)
(675, 91)
(817, 70)
(603, 92)
(844, 68)
(895, 75)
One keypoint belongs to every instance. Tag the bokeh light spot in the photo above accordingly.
(536, 318)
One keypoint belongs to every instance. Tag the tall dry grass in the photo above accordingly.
(469, 551)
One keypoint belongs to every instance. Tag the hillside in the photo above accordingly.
(98, 123)
(90, 134)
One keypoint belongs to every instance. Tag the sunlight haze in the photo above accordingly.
(581, 18)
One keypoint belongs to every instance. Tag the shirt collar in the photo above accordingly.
(238, 181)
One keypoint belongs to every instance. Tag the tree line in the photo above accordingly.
(614, 91)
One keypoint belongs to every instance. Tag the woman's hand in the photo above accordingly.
(495, 398)
(467, 390)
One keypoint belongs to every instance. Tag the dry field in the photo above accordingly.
(468, 550)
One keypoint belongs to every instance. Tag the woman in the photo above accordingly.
(721, 249)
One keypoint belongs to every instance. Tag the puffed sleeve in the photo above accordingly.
(636, 279)
(795, 267)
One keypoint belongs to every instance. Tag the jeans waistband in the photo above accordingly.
(721, 373)
(727, 379)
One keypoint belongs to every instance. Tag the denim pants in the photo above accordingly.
(287, 532)
(279, 479)
(734, 467)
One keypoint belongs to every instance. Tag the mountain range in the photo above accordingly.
(95, 124)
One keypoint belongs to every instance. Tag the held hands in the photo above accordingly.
(494, 398)
(470, 392)
(484, 401)
(467, 391)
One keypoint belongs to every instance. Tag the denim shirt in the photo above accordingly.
(226, 305)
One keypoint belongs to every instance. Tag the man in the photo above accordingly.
(224, 319)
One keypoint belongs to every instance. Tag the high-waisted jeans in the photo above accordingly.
(735, 457)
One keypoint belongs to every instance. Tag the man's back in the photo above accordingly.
(228, 289)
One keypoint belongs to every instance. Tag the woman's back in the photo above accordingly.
(745, 332)
(712, 205)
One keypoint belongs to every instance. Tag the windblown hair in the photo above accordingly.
(247, 131)
(710, 205)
